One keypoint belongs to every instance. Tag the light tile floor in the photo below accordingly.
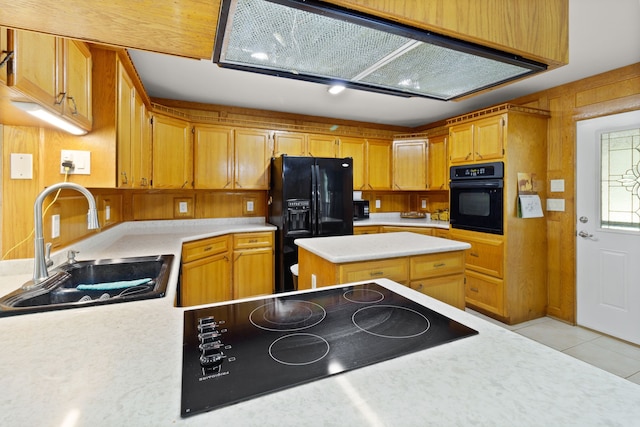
(603, 351)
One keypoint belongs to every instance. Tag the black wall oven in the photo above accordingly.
(477, 197)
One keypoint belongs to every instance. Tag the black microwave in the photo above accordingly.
(360, 209)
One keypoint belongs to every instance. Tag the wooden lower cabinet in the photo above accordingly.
(366, 229)
(206, 271)
(439, 275)
(226, 267)
(485, 292)
(419, 230)
(252, 264)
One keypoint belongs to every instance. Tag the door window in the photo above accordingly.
(620, 180)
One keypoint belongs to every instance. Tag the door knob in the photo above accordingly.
(586, 235)
(583, 219)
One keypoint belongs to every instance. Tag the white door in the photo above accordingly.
(608, 225)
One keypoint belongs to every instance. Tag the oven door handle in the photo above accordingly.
(477, 183)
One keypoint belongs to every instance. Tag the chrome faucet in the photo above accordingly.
(40, 272)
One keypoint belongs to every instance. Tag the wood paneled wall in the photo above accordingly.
(613, 92)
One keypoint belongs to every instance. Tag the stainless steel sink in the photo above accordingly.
(105, 281)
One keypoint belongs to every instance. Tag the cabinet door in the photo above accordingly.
(35, 71)
(378, 165)
(77, 82)
(367, 229)
(321, 145)
(172, 153)
(252, 272)
(354, 148)
(252, 157)
(485, 292)
(293, 144)
(410, 165)
(461, 143)
(206, 280)
(140, 144)
(213, 157)
(4, 49)
(396, 269)
(449, 289)
(437, 170)
(488, 138)
(125, 107)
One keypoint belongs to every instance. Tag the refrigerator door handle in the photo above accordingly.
(315, 206)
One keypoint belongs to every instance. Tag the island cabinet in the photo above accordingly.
(55, 72)
(439, 275)
(226, 267)
(172, 153)
(410, 164)
(427, 231)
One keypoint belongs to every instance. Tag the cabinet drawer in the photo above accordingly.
(419, 230)
(396, 269)
(366, 229)
(486, 255)
(192, 251)
(485, 292)
(434, 265)
(252, 240)
(449, 289)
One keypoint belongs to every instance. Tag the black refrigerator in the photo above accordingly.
(309, 197)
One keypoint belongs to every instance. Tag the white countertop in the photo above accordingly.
(393, 219)
(363, 247)
(120, 365)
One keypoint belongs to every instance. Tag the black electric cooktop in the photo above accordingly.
(242, 350)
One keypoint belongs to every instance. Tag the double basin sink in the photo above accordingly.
(95, 282)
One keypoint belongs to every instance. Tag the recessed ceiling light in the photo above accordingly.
(336, 89)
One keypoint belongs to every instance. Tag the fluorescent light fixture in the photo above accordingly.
(57, 121)
(315, 41)
(336, 89)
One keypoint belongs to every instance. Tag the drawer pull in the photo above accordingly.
(208, 248)
(440, 264)
(253, 240)
(473, 289)
(475, 254)
(376, 273)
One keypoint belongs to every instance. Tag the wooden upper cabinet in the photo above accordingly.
(321, 145)
(77, 82)
(378, 165)
(354, 148)
(54, 72)
(252, 157)
(290, 143)
(4, 52)
(172, 153)
(410, 165)
(477, 141)
(437, 170)
(213, 157)
(124, 130)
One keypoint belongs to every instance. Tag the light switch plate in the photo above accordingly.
(555, 205)
(557, 185)
(21, 166)
(81, 161)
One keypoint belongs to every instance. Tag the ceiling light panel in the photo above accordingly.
(314, 41)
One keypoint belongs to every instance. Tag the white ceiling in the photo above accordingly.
(603, 35)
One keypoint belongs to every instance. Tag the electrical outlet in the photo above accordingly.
(378, 204)
(250, 206)
(313, 281)
(55, 226)
(81, 162)
(107, 213)
(423, 204)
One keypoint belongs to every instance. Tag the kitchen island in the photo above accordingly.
(120, 364)
(430, 265)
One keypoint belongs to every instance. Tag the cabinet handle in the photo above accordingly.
(419, 288)
(143, 182)
(185, 183)
(238, 185)
(6, 58)
(440, 264)
(478, 155)
(473, 289)
(253, 240)
(124, 178)
(75, 106)
(60, 98)
(468, 155)
(475, 254)
(376, 273)
(208, 248)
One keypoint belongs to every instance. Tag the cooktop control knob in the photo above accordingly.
(207, 337)
(211, 359)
